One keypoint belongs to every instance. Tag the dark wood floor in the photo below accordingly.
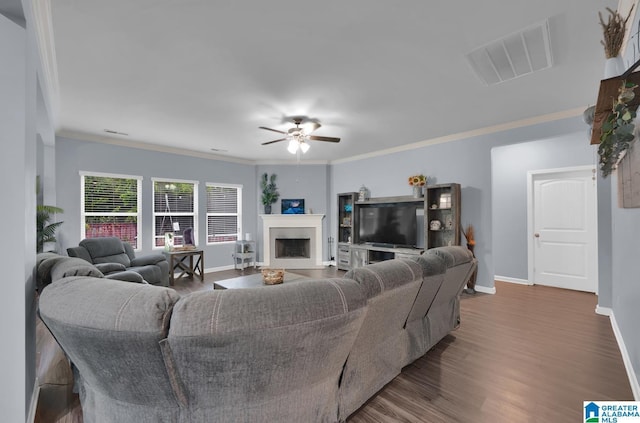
(528, 353)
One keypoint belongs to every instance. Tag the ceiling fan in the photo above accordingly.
(298, 136)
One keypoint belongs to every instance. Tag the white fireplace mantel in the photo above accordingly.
(313, 221)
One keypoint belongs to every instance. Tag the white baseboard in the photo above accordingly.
(485, 289)
(511, 280)
(33, 404)
(631, 374)
(604, 311)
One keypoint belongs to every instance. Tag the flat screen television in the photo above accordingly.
(292, 206)
(392, 224)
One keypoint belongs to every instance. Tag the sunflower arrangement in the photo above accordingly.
(417, 180)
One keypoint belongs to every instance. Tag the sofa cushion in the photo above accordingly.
(106, 250)
(111, 332)
(378, 352)
(107, 268)
(278, 351)
(73, 266)
(151, 274)
(80, 252)
(452, 255)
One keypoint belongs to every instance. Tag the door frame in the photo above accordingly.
(530, 213)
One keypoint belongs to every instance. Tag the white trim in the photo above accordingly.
(511, 280)
(485, 289)
(33, 404)
(603, 311)
(468, 134)
(38, 12)
(87, 137)
(138, 214)
(195, 213)
(239, 214)
(180, 181)
(530, 213)
(631, 374)
(109, 175)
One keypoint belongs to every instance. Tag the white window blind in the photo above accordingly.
(110, 206)
(175, 205)
(224, 213)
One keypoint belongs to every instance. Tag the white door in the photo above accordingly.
(563, 228)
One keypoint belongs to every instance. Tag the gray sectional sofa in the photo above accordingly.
(306, 351)
(111, 256)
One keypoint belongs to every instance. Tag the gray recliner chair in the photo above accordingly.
(110, 255)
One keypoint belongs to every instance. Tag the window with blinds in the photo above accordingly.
(224, 213)
(175, 206)
(111, 206)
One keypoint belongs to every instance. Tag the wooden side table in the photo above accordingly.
(190, 262)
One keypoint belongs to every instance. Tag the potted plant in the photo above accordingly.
(617, 130)
(270, 192)
(45, 231)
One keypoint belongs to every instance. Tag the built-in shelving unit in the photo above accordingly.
(442, 215)
(439, 214)
(346, 202)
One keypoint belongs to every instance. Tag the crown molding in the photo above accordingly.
(82, 136)
(468, 134)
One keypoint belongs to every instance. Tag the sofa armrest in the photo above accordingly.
(149, 259)
(128, 276)
(110, 267)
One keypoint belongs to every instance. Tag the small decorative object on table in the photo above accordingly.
(417, 182)
(272, 276)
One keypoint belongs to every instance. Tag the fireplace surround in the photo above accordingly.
(292, 241)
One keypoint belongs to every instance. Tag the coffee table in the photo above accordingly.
(253, 281)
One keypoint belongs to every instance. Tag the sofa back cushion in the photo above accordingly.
(271, 353)
(444, 313)
(111, 331)
(80, 252)
(106, 250)
(377, 355)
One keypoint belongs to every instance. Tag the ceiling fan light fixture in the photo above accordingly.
(293, 146)
(304, 147)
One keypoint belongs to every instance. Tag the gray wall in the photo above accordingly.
(22, 111)
(625, 230)
(468, 162)
(297, 181)
(13, 327)
(510, 165)
(73, 156)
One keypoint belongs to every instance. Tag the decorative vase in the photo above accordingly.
(267, 209)
(613, 67)
(417, 191)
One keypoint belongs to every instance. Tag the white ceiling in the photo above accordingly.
(203, 74)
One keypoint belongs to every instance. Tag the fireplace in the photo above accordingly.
(293, 248)
(292, 241)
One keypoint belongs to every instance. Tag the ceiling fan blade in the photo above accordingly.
(274, 130)
(271, 142)
(318, 138)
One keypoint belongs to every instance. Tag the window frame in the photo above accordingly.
(238, 214)
(138, 214)
(156, 214)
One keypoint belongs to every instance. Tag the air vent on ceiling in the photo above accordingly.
(515, 55)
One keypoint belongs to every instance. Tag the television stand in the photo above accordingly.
(363, 254)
